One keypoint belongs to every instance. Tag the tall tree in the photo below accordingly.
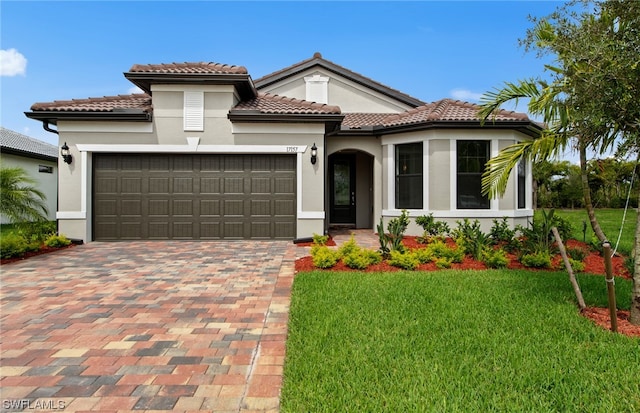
(588, 101)
(20, 200)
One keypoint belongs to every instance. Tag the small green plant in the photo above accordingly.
(349, 246)
(320, 239)
(540, 259)
(629, 264)
(501, 234)
(495, 258)
(443, 262)
(439, 249)
(57, 241)
(324, 257)
(392, 240)
(12, 245)
(432, 228)
(361, 259)
(577, 253)
(577, 266)
(538, 237)
(405, 260)
(470, 238)
(424, 255)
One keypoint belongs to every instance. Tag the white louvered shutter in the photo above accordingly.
(194, 111)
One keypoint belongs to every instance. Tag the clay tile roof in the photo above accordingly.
(11, 140)
(363, 120)
(448, 110)
(140, 101)
(186, 67)
(276, 104)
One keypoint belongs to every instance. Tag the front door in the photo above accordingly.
(343, 189)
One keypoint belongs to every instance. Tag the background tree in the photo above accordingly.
(20, 200)
(589, 101)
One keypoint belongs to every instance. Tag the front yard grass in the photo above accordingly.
(446, 341)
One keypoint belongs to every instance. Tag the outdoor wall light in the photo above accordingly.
(314, 154)
(66, 154)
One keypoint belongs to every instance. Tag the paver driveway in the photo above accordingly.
(141, 326)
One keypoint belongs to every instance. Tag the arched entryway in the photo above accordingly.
(350, 198)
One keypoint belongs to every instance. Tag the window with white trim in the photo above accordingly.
(522, 184)
(471, 158)
(409, 158)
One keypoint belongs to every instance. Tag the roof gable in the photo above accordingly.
(317, 61)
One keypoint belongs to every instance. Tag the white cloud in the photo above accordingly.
(135, 89)
(12, 63)
(464, 94)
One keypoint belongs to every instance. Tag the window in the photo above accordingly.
(471, 159)
(409, 176)
(45, 169)
(522, 186)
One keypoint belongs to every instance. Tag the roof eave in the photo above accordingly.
(242, 82)
(332, 121)
(528, 128)
(28, 154)
(52, 116)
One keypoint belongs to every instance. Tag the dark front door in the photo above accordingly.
(343, 189)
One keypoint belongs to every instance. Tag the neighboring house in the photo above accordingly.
(208, 153)
(38, 159)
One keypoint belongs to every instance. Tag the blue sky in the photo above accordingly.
(54, 50)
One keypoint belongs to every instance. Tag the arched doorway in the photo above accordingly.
(350, 189)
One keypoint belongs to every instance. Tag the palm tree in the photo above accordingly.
(20, 201)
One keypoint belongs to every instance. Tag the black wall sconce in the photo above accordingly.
(65, 153)
(314, 154)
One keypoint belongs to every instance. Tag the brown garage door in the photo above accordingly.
(158, 196)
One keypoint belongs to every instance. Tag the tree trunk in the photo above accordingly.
(587, 195)
(634, 316)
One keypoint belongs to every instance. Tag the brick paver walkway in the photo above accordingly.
(146, 326)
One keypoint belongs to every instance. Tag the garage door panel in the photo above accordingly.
(285, 186)
(189, 196)
(209, 185)
(159, 185)
(131, 207)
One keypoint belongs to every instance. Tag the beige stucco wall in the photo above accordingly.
(45, 182)
(349, 95)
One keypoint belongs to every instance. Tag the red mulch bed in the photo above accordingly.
(43, 250)
(594, 264)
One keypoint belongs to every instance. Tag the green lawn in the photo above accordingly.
(610, 221)
(447, 341)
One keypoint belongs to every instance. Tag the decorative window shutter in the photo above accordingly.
(317, 88)
(194, 111)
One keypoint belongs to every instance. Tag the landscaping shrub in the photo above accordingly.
(443, 262)
(392, 240)
(424, 255)
(540, 259)
(361, 259)
(495, 258)
(12, 245)
(320, 239)
(577, 266)
(348, 247)
(470, 238)
(502, 234)
(538, 237)
(57, 241)
(36, 232)
(406, 260)
(441, 250)
(577, 253)
(432, 228)
(324, 257)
